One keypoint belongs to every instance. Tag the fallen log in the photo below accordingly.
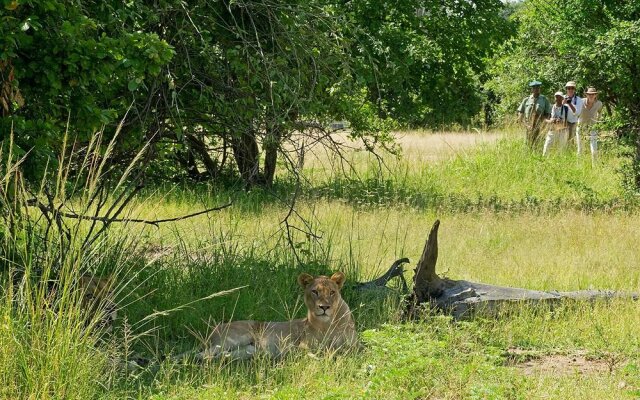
(462, 298)
(396, 270)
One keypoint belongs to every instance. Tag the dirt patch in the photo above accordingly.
(578, 362)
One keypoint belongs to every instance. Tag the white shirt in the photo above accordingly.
(558, 112)
(577, 102)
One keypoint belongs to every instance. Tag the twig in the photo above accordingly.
(49, 210)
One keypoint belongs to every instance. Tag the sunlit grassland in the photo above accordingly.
(561, 250)
(503, 175)
(560, 224)
(508, 217)
(556, 223)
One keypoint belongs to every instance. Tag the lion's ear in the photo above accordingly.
(304, 280)
(338, 278)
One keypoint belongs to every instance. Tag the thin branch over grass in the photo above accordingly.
(56, 212)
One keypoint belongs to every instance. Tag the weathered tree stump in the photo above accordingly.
(462, 298)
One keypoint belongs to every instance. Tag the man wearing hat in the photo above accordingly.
(533, 110)
(557, 124)
(588, 118)
(574, 103)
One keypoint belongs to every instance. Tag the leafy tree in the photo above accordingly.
(73, 74)
(430, 57)
(249, 74)
(207, 82)
(204, 81)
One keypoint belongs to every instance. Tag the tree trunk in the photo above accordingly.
(271, 144)
(198, 146)
(463, 299)
(188, 162)
(247, 155)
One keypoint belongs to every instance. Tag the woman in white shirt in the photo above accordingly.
(588, 118)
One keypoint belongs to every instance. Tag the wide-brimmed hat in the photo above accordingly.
(558, 93)
(535, 83)
(571, 84)
(591, 90)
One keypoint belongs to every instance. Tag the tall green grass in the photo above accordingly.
(52, 342)
(502, 177)
(47, 349)
(557, 223)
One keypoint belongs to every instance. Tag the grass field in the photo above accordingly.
(509, 217)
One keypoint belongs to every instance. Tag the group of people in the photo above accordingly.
(569, 117)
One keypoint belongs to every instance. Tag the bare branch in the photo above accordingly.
(48, 210)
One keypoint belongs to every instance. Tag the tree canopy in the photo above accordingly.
(429, 58)
(233, 86)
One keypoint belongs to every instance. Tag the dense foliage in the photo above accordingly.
(195, 81)
(71, 70)
(430, 57)
(208, 82)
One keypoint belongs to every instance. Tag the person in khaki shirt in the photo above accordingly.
(533, 110)
(589, 117)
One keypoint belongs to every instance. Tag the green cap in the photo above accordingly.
(535, 83)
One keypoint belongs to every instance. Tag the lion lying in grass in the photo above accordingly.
(329, 325)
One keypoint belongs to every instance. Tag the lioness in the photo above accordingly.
(328, 325)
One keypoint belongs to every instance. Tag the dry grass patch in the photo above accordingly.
(424, 147)
(578, 362)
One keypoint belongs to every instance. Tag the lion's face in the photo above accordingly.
(322, 294)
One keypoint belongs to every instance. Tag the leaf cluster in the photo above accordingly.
(429, 58)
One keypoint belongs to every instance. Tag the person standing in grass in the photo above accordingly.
(533, 110)
(574, 103)
(557, 124)
(588, 119)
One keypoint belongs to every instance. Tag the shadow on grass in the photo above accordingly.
(385, 192)
(376, 192)
(271, 293)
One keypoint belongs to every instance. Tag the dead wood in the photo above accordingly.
(426, 283)
(463, 298)
(396, 270)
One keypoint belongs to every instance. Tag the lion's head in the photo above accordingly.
(322, 295)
